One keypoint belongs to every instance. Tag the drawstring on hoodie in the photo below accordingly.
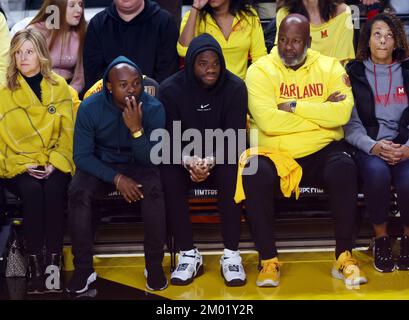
(376, 85)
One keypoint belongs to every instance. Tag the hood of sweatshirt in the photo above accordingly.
(199, 44)
(118, 60)
(311, 57)
(150, 9)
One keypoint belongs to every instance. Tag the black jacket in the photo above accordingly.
(149, 40)
(365, 100)
(224, 106)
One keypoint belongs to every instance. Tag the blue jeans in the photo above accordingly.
(378, 177)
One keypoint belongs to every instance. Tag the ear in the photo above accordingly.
(309, 42)
(109, 86)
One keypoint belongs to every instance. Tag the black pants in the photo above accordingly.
(332, 168)
(176, 183)
(86, 188)
(43, 204)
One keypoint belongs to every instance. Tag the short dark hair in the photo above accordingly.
(402, 49)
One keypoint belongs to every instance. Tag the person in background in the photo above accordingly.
(66, 40)
(137, 29)
(36, 133)
(234, 24)
(4, 48)
(378, 129)
(331, 25)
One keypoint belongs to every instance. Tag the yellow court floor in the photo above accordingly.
(304, 275)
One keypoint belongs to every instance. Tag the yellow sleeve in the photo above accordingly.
(257, 47)
(345, 42)
(182, 49)
(4, 49)
(61, 156)
(281, 14)
(75, 101)
(330, 114)
(263, 106)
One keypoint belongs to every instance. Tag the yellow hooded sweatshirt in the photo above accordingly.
(34, 132)
(315, 122)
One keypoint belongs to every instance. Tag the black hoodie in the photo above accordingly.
(224, 106)
(149, 40)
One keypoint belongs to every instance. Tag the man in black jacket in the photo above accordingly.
(137, 29)
(205, 96)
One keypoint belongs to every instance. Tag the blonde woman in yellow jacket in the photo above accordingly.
(233, 23)
(36, 135)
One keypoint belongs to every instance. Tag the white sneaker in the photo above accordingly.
(232, 269)
(190, 265)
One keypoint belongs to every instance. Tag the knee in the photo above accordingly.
(79, 196)
(31, 187)
(376, 173)
(341, 169)
(263, 174)
(152, 184)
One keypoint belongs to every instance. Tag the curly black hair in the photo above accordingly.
(328, 8)
(236, 7)
(402, 49)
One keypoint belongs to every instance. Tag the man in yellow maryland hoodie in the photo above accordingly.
(299, 100)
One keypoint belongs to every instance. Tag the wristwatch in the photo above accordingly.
(293, 105)
(137, 134)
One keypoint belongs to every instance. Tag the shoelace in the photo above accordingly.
(270, 267)
(182, 266)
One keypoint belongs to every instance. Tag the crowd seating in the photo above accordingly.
(307, 219)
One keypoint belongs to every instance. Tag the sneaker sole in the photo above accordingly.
(401, 268)
(267, 283)
(91, 279)
(180, 282)
(233, 283)
(35, 292)
(361, 280)
(145, 273)
(383, 271)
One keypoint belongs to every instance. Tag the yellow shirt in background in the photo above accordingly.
(334, 38)
(4, 49)
(246, 41)
(315, 122)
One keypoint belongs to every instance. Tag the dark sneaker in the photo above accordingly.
(35, 285)
(382, 254)
(155, 279)
(80, 280)
(403, 259)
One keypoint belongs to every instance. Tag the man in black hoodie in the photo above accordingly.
(137, 29)
(204, 96)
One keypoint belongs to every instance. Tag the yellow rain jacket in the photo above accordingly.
(34, 132)
(315, 122)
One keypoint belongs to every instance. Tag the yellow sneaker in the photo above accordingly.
(269, 276)
(346, 268)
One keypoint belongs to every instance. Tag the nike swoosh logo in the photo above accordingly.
(204, 106)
